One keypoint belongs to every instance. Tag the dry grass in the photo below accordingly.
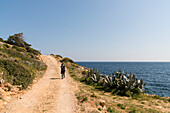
(143, 104)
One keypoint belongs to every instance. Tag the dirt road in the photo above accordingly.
(50, 95)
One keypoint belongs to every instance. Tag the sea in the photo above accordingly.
(155, 74)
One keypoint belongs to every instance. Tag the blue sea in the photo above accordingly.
(156, 74)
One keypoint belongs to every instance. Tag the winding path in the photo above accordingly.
(50, 95)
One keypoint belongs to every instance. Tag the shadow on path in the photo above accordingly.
(54, 78)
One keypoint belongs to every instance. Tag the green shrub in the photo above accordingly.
(85, 99)
(114, 91)
(135, 96)
(156, 96)
(66, 59)
(17, 74)
(128, 94)
(14, 47)
(136, 91)
(27, 59)
(99, 109)
(73, 75)
(84, 72)
(6, 46)
(142, 102)
(83, 79)
(110, 110)
(3, 54)
(82, 98)
(58, 56)
(31, 50)
(1, 40)
(88, 80)
(121, 106)
(75, 65)
(9, 88)
(20, 49)
(133, 111)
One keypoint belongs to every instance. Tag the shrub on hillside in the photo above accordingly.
(2, 54)
(14, 53)
(31, 50)
(66, 59)
(19, 64)
(58, 56)
(14, 47)
(6, 46)
(15, 73)
(20, 49)
(1, 40)
(17, 40)
(84, 72)
(20, 70)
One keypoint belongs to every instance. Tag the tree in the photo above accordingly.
(17, 39)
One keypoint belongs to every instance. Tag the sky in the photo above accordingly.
(91, 30)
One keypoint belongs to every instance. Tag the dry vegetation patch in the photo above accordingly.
(90, 98)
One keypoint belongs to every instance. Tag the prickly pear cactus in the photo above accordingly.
(123, 82)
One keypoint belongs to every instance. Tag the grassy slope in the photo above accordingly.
(89, 97)
(17, 66)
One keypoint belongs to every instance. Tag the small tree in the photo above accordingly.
(17, 39)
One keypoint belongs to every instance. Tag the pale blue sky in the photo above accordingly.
(92, 30)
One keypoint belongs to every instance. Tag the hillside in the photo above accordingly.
(50, 94)
(19, 64)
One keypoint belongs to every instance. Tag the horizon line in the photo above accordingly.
(123, 61)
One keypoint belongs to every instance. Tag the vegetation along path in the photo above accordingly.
(51, 94)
